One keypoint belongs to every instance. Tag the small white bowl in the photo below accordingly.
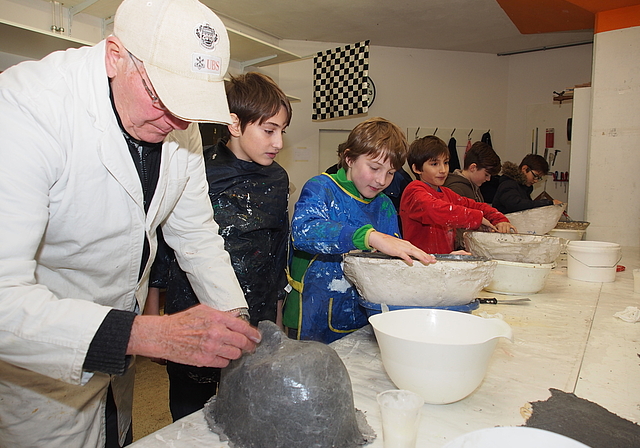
(519, 278)
(568, 234)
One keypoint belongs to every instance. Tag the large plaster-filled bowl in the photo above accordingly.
(573, 225)
(452, 280)
(518, 247)
(537, 221)
(440, 355)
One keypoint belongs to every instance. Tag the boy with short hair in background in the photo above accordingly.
(480, 163)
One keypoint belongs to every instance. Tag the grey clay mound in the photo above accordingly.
(287, 394)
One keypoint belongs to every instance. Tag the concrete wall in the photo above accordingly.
(613, 189)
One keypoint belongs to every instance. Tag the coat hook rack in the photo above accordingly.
(453, 132)
(469, 135)
(417, 131)
(435, 132)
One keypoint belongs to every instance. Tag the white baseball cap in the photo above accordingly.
(185, 50)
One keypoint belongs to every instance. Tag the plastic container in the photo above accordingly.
(511, 277)
(438, 354)
(593, 261)
(376, 308)
(568, 234)
(400, 411)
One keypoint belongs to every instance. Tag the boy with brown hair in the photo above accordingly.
(430, 212)
(480, 163)
(339, 213)
(249, 193)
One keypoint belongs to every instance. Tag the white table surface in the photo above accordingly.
(566, 338)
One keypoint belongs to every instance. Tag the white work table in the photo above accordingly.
(566, 338)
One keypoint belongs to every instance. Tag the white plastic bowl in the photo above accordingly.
(537, 221)
(519, 278)
(568, 234)
(513, 436)
(453, 280)
(518, 247)
(438, 354)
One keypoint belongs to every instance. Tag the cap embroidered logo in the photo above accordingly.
(207, 36)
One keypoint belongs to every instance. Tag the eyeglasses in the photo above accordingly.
(536, 176)
(154, 98)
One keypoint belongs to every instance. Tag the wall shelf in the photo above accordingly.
(33, 43)
(250, 51)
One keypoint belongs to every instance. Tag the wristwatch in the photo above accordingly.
(243, 313)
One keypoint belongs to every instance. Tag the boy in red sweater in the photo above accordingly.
(430, 213)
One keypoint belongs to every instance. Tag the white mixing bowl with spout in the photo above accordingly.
(441, 355)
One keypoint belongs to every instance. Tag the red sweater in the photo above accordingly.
(429, 217)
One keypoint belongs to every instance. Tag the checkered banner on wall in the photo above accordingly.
(340, 81)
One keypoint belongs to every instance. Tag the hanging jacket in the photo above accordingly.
(486, 138)
(454, 160)
(430, 217)
(323, 305)
(512, 194)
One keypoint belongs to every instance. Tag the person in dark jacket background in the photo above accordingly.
(480, 163)
(249, 193)
(516, 185)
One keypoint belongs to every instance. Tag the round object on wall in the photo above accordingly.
(371, 91)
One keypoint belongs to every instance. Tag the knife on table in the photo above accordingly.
(494, 301)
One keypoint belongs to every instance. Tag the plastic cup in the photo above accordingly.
(400, 411)
(636, 281)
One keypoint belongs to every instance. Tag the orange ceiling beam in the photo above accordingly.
(604, 5)
(551, 16)
(617, 19)
(548, 16)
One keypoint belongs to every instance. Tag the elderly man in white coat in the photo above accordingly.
(97, 151)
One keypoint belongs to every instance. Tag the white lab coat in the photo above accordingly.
(72, 227)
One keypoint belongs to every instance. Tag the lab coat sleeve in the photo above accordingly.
(39, 331)
(314, 227)
(192, 232)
